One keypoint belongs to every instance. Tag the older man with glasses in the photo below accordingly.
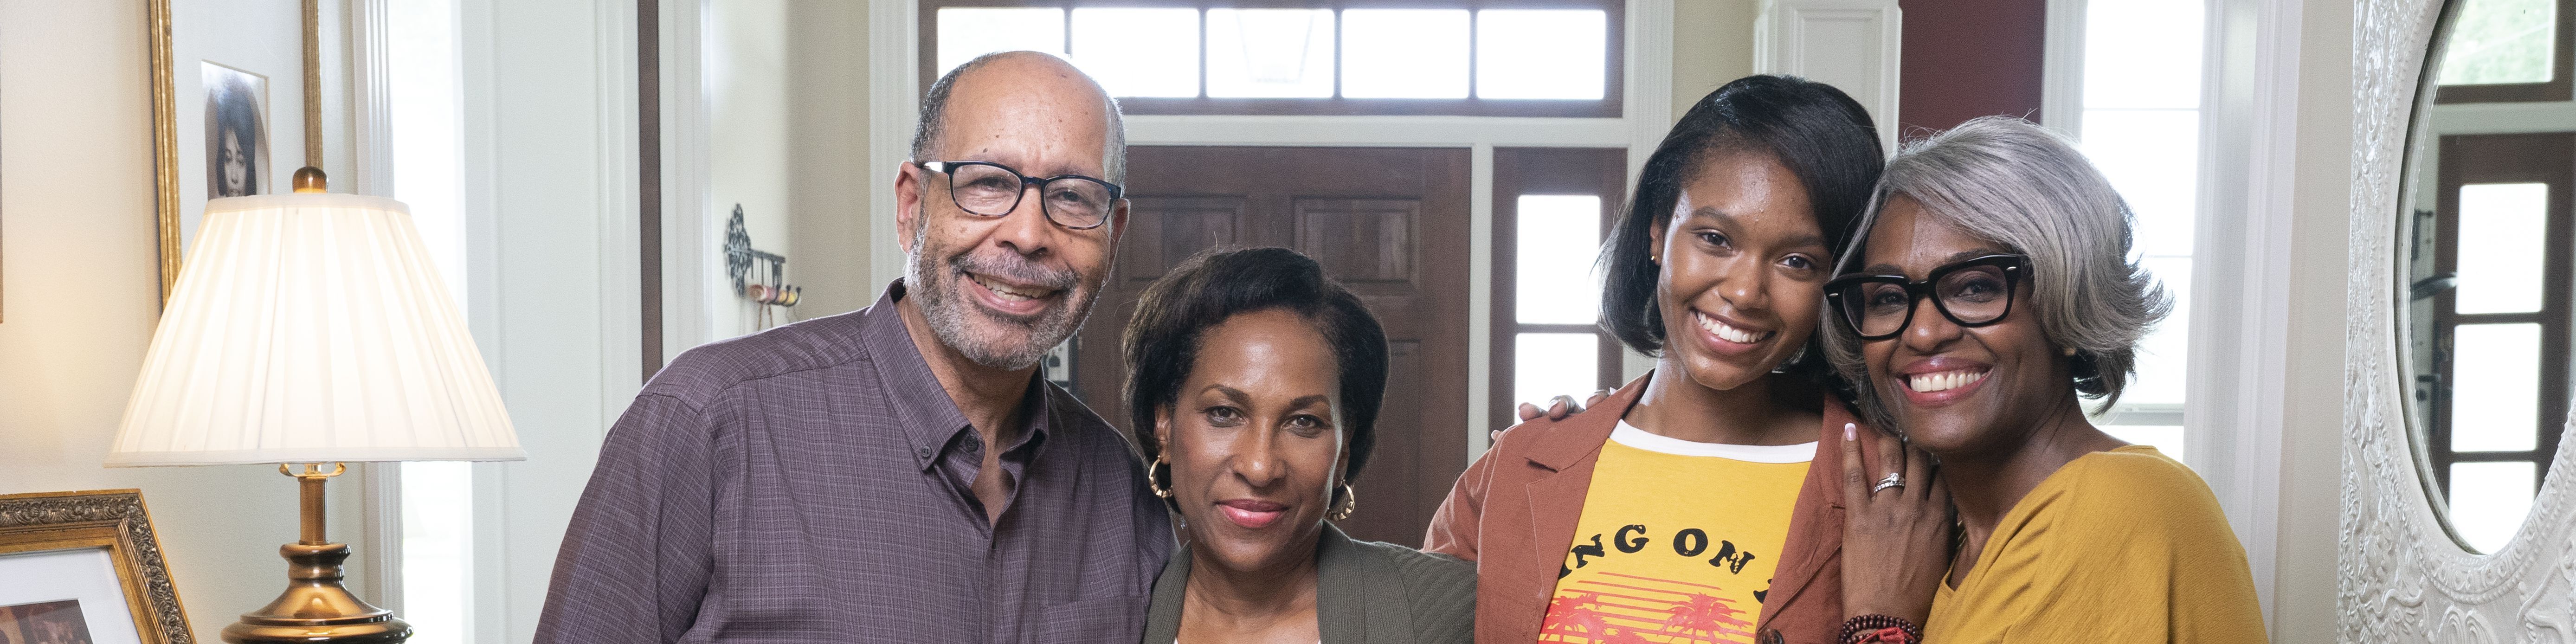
(899, 473)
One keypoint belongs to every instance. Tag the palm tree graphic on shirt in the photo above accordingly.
(1632, 609)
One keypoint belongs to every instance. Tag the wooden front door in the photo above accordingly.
(1390, 223)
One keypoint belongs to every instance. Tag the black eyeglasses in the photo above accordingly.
(1972, 292)
(992, 190)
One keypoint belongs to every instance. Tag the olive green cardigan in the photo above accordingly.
(1366, 592)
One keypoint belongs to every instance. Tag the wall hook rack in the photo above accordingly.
(759, 276)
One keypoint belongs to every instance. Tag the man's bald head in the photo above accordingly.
(1020, 71)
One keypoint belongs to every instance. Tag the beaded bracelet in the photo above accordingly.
(1880, 628)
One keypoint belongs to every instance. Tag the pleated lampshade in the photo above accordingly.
(310, 328)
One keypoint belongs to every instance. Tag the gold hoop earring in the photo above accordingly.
(1154, 481)
(1350, 502)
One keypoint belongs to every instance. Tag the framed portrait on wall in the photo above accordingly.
(236, 128)
(216, 65)
(85, 568)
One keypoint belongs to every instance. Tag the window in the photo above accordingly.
(2141, 126)
(1551, 208)
(1270, 53)
(2507, 51)
(1353, 57)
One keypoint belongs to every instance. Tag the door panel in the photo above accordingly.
(1389, 223)
(1359, 240)
(1163, 231)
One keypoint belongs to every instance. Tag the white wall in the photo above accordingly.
(79, 295)
(828, 157)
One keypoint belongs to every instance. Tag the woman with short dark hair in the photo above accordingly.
(1254, 388)
(1992, 291)
(1703, 501)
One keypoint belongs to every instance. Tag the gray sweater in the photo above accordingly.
(1366, 592)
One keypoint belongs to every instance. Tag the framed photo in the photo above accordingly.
(216, 66)
(85, 568)
(54, 622)
(236, 128)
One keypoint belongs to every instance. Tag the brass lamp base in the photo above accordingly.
(316, 607)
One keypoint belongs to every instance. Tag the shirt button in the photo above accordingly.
(925, 452)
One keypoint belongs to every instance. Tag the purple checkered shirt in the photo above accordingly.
(811, 484)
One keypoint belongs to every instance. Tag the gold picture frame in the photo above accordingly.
(171, 208)
(85, 524)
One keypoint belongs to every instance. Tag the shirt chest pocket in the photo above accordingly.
(1104, 620)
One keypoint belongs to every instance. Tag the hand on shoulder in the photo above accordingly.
(1558, 408)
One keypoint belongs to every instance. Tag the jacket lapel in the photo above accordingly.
(1356, 603)
(1552, 532)
(1818, 514)
(1163, 614)
(1554, 498)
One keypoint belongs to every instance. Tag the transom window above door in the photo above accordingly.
(1462, 57)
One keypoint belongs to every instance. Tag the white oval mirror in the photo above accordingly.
(2484, 261)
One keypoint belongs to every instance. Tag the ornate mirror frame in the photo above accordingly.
(2402, 578)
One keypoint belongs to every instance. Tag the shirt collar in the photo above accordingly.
(929, 417)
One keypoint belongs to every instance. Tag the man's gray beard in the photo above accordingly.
(948, 316)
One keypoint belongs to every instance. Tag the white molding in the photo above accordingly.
(2237, 373)
(2061, 67)
(691, 254)
(620, 206)
(1867, 71)
(479, 179)
(371, 100)
(1480, 299)
(370, 172)
(2238, 356)
(1648, 104)
(894, 94)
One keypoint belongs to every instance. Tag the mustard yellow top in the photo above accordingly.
(2122, 546)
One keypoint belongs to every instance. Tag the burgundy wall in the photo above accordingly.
(1969, 58)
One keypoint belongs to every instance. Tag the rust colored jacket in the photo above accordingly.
(1514, 512)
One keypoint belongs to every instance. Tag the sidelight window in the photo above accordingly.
(1552, 208)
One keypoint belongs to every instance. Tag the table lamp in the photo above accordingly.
(312, 329)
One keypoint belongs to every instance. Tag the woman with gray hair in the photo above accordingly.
(1995, 291)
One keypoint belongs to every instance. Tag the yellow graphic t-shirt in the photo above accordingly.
(1677, 540)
